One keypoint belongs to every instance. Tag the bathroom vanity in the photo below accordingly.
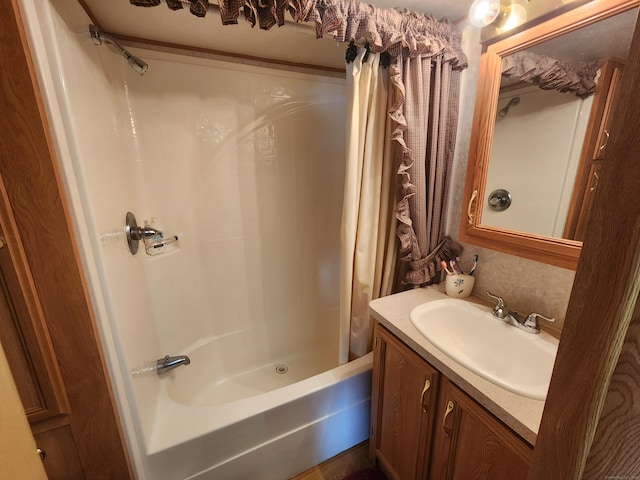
(434, 418)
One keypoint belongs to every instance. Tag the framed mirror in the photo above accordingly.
(541, 124)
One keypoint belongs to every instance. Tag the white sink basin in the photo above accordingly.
(515, 360)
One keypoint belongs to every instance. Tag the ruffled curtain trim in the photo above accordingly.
(427, 269)
(385, 29)
(549, 73)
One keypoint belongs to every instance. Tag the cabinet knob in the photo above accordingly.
(450, 407)
(596, 181)
(606, 136)
(41, 453)
(427, 386)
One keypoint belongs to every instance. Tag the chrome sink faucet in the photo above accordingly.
(527, 323)
(168, 363)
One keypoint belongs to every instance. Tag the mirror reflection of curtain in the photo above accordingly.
(429, 102)
(368, 226)
(550, 73)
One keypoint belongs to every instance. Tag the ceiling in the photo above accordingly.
(608, 38)
(294, 43)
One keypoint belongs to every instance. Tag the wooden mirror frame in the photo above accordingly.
(555, 251)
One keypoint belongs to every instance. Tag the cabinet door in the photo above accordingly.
(23, 331)
(402, 408)
(587, 200)
(471, 444)
(594, 149)
(612, 74)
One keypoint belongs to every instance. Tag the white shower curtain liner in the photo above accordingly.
(368, 224)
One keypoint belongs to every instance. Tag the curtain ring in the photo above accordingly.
(351, 53)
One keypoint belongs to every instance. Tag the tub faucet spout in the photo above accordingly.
(168, 363)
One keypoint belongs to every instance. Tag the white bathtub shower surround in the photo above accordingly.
(246, 165)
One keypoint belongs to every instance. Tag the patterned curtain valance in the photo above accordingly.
(264, 13)
(552, 74)
(385, 29)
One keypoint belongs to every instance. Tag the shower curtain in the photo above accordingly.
(429, 100)
(368, 225)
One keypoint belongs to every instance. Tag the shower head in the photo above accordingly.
(98, 36)
(514, 101)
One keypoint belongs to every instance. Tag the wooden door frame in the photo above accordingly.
(36, 198)
(593, 405)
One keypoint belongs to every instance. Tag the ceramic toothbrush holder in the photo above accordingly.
(459, 286)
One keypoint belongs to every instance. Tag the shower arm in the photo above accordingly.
(98, 37)
(513, 102)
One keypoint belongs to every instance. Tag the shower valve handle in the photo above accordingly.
(140, 233)
(136, 233)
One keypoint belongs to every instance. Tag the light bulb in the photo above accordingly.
(517, 16)
(484, 12)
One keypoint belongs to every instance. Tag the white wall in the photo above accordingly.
(535, 152)
(246, 166)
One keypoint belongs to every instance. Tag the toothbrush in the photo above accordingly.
(444, 267)
(475, 264)
(455, 267)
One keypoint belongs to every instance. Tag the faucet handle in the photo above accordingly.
(500, 309)
(532, 320)
(495, 297)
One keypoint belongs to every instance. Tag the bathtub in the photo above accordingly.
(226, 429)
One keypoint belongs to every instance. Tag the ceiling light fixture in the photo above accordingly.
(517, 16)
(504, 15)
(484, 12)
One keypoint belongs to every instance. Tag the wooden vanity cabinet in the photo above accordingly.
(403, 404)
(437, 432)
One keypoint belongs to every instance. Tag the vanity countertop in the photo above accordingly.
(521, 414)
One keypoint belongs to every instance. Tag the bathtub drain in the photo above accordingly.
(282, 368)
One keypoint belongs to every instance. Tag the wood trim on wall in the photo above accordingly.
(591, 420)
(36, 197)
